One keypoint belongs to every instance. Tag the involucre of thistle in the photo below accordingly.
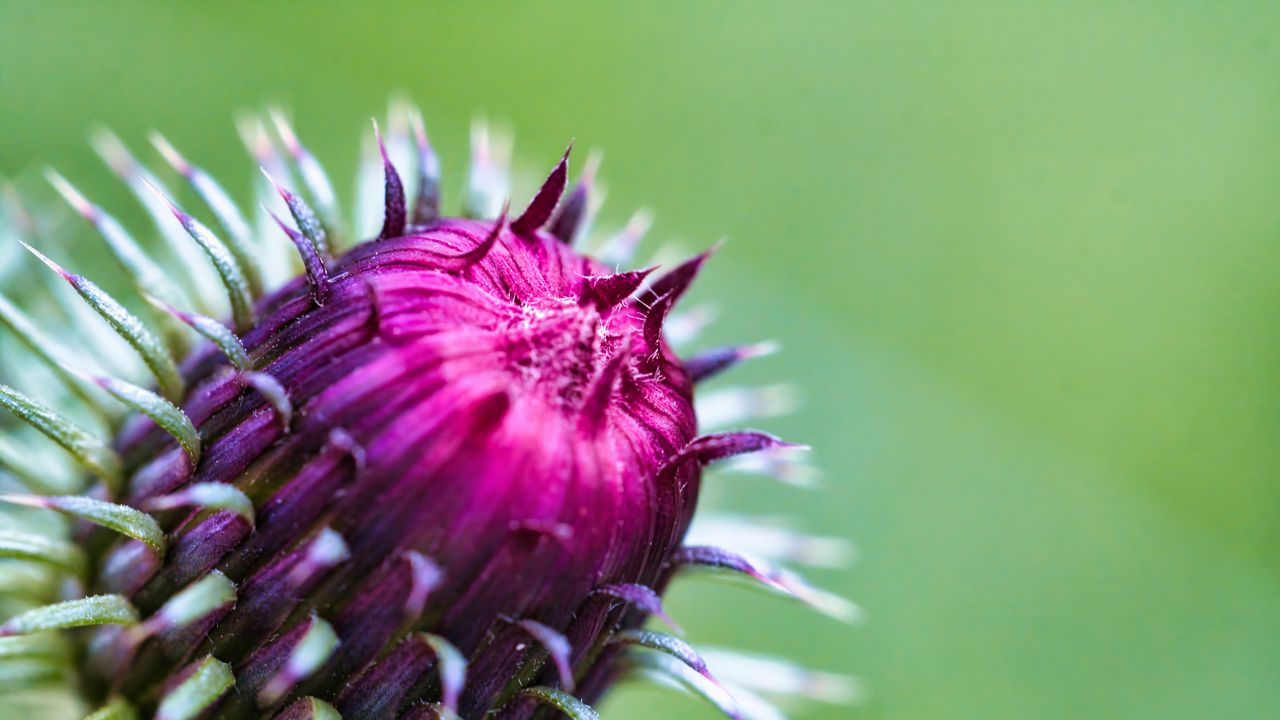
(445, 471)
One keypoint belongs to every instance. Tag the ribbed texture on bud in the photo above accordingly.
(461, 396)
(447, 472)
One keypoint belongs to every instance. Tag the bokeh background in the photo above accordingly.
(1024, 259)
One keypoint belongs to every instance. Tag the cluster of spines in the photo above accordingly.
(206, 597)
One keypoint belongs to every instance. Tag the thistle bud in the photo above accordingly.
(445, 472)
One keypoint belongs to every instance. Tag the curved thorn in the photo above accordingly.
(303, 216)
(776, 579)
(137, 178)
(147, 276)
(425, 576)
(50, 647)
(544, 202)
(206, 495)
(200, 599)
(643, 598)
(18, 464)
(770, 540)
(222, 206)
(95, 455)
(465, 260)
(706, 449)
(312, 651)
(556, 645)
(708, 364)
(50, 353)
(312, 172)
(452, 666)
(123, 519)
(144, 274)
(606, 291)
(668, 669)
(309, 708)
(82, 612)
(224, 262)
(31, 547)
(393, 212)
(781, 677)
(203, 687)
(126, 325)
(215, 332)
(572, 219)
(341, 440)
(271, 389)
(571, 706)
(166, 415)
(654, 318)
(312, 262)
(673, 646)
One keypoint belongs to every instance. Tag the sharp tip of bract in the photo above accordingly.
(45, 259)
(112, 149)
(25, 500)
(418, 126)
(69, 193)
(761, 349)
(169, 153)
(285, 130)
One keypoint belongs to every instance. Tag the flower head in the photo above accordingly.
(448, 470)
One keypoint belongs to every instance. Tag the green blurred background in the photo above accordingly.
(1022, 257)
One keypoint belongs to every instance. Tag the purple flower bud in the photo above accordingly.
(446, 472)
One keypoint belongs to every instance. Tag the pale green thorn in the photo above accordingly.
(197, 600)
(220, 335)
(224, 262)
(47, 647)
(82, 612)
(317, 709)
(571, 706)
(127, 325)
(670, 670)
(166, 415)
(94, 454)
(53, 552)
(304, 217)
(276, 395)
(30, 675)
(452, 667)
(121, 518)
(137, 178)
(313, 649)
(210, 496)
(223, 207)
(145, 274)
(314, 178)
(198, 693)
(19, 466)
(49, 352)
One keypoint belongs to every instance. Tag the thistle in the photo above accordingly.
(447, 471)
